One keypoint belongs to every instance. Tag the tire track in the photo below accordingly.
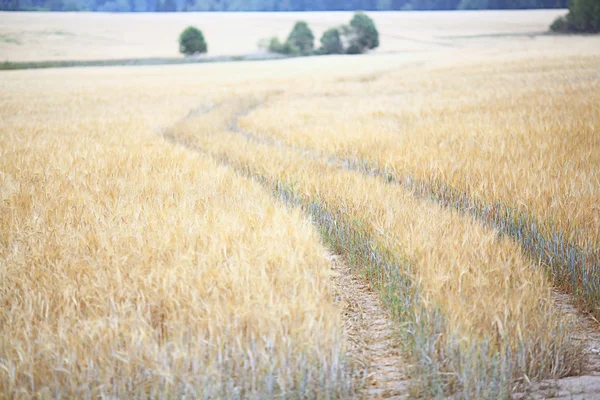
(585, 385)
(371, 334)
(369, 327)
(374, 343)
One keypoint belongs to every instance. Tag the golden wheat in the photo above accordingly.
(131, 268)
(533, 145)
(143, 252)
(487, 302)
(521, 136)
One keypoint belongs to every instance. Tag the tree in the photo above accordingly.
(361, 35)
(581, 20)
(331, 42)
(302, 38)
(169, 6)
(10, 5)
(399, 4)
(583, 17)
(191, 41)
(366, 34)
(113, 6)
(473, 5)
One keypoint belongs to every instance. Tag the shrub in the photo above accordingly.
(300, 41)
(560, 25)
(302, 38)
(361, 35)
(331, 42)
(583, 17)
(191, 41)
(365, 34)
(275, 46)
(354, 49)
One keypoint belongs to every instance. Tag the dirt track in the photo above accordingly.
(372, 336)
(375, 342)
(587, 385)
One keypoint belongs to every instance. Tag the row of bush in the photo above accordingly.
(361, 34)
(583, 17)
(358, 37)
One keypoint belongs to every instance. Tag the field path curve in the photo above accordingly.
(372, 334)
(379, 345)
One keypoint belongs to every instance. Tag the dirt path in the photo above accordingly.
(373, 342)
(587, 385)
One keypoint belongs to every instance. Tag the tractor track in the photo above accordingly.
(372, 335)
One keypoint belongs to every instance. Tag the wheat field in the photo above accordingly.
(132, 268)
(173, 231)
(506, 142)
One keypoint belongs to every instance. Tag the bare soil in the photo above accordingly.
(374, 343)
(587, 385)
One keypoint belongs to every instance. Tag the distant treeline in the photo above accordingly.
(270, 5)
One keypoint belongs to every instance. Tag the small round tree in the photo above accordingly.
(364, 33)
(191, 41)
(331, 42)
(302, 38)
